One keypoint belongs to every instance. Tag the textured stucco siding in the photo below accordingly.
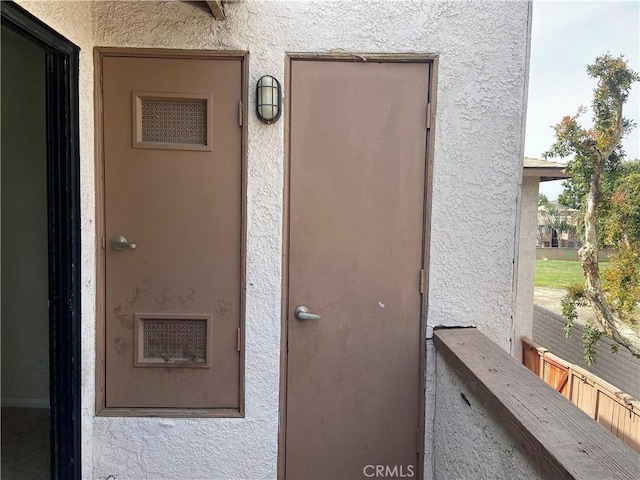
(469, 441)
(483, 57)
(526, 263)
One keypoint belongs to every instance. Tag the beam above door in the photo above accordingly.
(215, 7)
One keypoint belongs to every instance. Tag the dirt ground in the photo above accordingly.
(550, 298)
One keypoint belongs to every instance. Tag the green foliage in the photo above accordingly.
(629, 167)
(588, 146)
(591, 334)
(599, 148)
(599, 173)
(590, 338)
(623, 219)
(543, 200)
(570, 315)
(573, 194)
(573, 298)
(621, 281)
(614, 82)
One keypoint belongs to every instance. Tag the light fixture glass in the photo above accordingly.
(268, 99)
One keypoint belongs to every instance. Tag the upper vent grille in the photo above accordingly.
(174, 121)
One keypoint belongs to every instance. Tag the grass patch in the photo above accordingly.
(559, 273)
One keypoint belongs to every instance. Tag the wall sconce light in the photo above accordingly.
(269, 99)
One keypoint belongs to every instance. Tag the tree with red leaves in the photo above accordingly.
(597, 158)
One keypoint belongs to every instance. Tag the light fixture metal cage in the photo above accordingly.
(268, 99)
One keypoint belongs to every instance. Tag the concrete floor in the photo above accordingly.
(25, 444)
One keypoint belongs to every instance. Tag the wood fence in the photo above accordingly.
(617, 411)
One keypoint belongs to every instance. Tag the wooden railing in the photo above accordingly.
(612, 408)
(560, 440)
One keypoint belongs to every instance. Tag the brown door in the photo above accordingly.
(173, 231)
(357, 189)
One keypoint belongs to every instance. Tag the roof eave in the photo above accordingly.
(546, 174)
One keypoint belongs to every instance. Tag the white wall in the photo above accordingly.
(25, 317)
(478, 164)
(469, 442)
(523, 324)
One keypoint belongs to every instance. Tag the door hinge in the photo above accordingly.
(104, 242)
(240, 113)
(423, 280)
(428, 116)
(238, 340)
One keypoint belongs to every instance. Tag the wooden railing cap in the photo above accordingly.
(562, 440)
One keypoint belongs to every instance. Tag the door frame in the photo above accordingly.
(432, 59)
(99, 54)
(63, 221)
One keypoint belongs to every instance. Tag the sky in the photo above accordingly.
(565, 38)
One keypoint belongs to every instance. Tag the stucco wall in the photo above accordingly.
(469, 442)
(526, 263)
(483, 51)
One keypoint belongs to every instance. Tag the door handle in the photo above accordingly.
(121, 243)
(302, 313)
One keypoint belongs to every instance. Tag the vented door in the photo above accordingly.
(173, 224)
